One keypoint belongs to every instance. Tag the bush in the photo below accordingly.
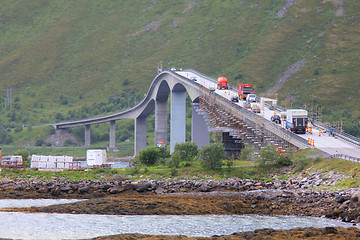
(269, 158)
(188, 151)
(163, 152)
(245, 154)
(149, 156)
(300, 163)
(174, 160)
(211, 156)
(39, 142)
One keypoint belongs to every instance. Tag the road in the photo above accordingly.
(323, 141)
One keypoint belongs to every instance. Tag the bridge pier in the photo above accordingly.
(199, 128)
(161, 121)
(140, 134)
(112, 147)
(87, 135)
(177, 118)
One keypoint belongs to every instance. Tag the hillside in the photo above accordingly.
(74, 59)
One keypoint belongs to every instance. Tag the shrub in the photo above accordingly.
(174, 160)
(39, 142)
(188, 150)
(300, 163)
(163, 152)
(245, 154)
(269, 158)
(149, 156)
(211, 155)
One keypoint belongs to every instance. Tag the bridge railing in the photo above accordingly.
(345, 136)
(345, 157)
(258, 122)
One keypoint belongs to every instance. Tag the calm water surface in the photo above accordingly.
(74, 226)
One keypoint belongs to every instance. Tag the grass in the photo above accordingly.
(89, 51)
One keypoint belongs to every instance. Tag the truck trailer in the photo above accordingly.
(296, 120)
(244, 90)
(222, 83)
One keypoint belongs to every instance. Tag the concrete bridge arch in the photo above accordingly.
(164, 84)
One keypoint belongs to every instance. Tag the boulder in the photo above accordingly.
(84, 189)
(55, 191)
(355, 197)
(142, 187)
(116, 189)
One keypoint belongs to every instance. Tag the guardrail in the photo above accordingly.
(345, 157)
(260, 122)
(345, 136)
(254, 119)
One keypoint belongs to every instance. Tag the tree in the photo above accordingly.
(187, 150)
(149, 156)
(211, 156)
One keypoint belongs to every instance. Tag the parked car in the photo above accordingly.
(247, 105)
(193, 78)
(276, 119)
(212, 89)
(255, 108)
(173, 69)
(251, 98)
(235, 99)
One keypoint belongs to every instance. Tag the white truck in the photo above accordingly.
(95, 157)
(296, 120)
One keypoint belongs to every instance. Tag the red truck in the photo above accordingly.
(244, 90)
(222, 83)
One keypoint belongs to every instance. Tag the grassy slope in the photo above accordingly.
(85, 50)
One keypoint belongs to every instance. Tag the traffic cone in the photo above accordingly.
(313, 143)
(319, 133)
(309, 141)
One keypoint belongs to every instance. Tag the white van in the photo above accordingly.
(251, 98)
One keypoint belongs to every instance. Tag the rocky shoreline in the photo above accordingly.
(230, 196)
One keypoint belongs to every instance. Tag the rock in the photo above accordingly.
(129, 186)
(83, 189)
(160, 190)
(355, 197)
(43, 190)
(203, 188)
(55, 191)
(117, 189)
(142, 187)
(65, 188)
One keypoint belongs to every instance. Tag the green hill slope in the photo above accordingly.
(72, 59)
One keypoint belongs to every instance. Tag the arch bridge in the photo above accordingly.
(210, 112)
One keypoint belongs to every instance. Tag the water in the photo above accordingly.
(17, 203)
(73, 226)
(119, 164)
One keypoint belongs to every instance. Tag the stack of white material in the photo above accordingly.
(51, 162)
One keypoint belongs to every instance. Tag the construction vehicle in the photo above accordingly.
(244, 90)
(222, 83)
(296, 120)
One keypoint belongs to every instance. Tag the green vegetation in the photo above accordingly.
(77, 59)
(271, 158)
(297, 163)
(187, 151)
(211, 156)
